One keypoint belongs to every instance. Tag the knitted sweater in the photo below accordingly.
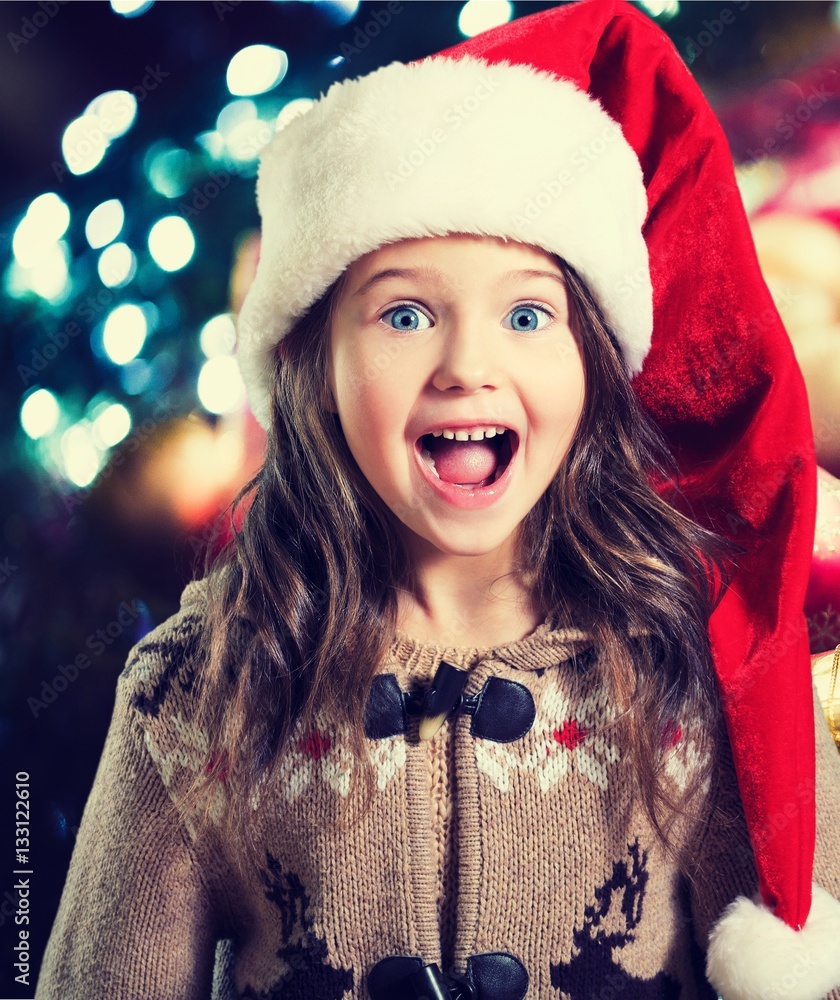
(509, 849)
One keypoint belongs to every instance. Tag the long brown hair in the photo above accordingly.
(302, 603)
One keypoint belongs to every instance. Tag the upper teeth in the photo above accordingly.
(477, 434)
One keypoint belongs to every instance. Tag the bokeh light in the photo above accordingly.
(171, 243)
(131, 8)
(50, 277)
(339, 12)
(218, 335)
(39, 413)
(256, 69)
(220, 386)
(168, 169)
(481, 15)
(666, 9)
(115, 111)
(86, 138)
(80, 456)
(111, 424)
(83, 144)
(45, 222)
(117, 265)
(104, 223)
(125, 332)
(41, 258)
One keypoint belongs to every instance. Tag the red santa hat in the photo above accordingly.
(580, 130)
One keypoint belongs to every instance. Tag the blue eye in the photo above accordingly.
(406, 318)
(525, 316)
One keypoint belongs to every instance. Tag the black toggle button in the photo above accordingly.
(443, 697)
(385, 711)
(494, 975)
(402, 977)
(503, 711)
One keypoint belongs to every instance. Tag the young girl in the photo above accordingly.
(490, 698)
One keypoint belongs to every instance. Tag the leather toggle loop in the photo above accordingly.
(401, 977)
(503, 711)
(386, 709)
(490, 976)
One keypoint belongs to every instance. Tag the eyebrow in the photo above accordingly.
(430, 274)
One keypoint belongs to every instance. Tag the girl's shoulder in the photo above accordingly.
(161, 668)
(159, 686)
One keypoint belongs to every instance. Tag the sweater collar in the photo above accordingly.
(544, 647)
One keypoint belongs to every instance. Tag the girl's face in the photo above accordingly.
(456, 333)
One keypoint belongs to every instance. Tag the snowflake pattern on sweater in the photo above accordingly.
(564, 736)
(323, 754)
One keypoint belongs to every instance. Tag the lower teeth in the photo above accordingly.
(426, 455)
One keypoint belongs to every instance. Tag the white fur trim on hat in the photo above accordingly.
(445, 146)
(753, 955)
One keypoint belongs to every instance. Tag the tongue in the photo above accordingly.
(463, 461)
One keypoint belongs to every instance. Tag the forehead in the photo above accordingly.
(439, 256)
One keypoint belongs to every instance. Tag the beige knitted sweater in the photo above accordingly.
(508, 850)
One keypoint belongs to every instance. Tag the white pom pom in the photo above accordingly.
(755, 956)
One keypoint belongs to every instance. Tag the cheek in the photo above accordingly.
(372, 405)
(560, 389)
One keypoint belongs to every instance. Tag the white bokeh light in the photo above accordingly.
(125, 332)
(39, 413)
(218, 335)
(131, 8)
(115, 111)
(220, 386)
(256, 69)
(45, 222)
(50, 277)
(86, 138)
(661, 8)
(111, 425)
(117, 265)
(105, 223)
(82, 459)
(171, 243)
(233, 113)
(83, 144)
(245, 140)
(481, 15)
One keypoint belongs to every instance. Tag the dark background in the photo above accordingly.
(72, 559)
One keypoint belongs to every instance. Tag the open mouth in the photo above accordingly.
(468, 464)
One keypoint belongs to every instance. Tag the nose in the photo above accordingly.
(469, 356)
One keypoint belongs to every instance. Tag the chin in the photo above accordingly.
(463, 541)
